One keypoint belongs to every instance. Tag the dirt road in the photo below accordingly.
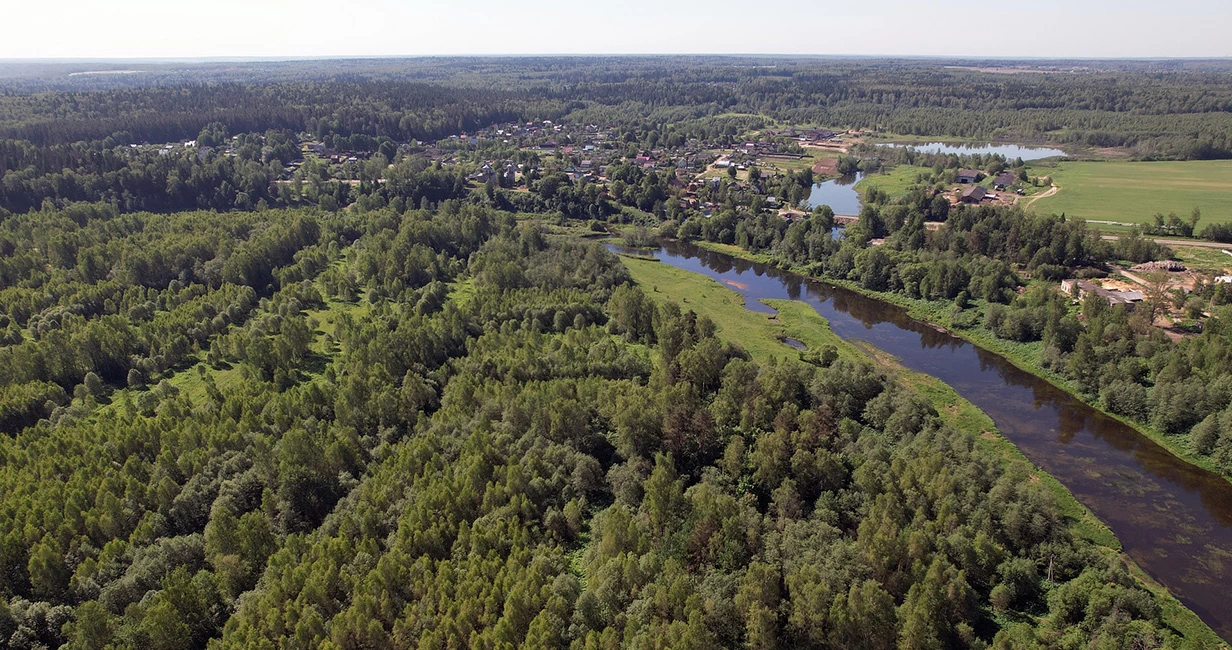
(1049, 192)
(1181, 242)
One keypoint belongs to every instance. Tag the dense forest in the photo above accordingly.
(446, 429)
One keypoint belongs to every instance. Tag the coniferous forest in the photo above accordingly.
(255, 397)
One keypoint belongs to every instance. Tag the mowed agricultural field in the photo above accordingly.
(1132, 192)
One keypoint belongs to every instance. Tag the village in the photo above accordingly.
(702, 175)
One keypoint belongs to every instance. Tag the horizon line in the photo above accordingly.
(243, 58)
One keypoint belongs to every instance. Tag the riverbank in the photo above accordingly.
(760, 334)
(1024, 356)
(966, 417)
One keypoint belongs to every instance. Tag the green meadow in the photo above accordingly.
(1133, 192)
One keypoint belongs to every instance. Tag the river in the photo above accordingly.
(1173, 518)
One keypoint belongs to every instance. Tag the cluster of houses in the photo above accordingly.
(319, 150)
(978, 193)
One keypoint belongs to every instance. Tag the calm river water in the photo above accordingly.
(1174, 519)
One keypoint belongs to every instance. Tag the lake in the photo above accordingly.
(1173, 518)
(838, 193)
(1010, 151)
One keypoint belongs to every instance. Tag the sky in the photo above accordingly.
(324, 28)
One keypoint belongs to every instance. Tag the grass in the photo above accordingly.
(1133, 192)
(758, 333)
(329, 315)
(1204, 259)
(792, 164)
(893, 182)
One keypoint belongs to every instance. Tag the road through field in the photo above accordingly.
(1049, 192)
(1181, 242)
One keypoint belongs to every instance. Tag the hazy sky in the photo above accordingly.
(205, 28)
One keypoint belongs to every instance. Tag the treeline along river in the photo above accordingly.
(1173, 518)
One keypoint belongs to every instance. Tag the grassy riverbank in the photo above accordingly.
(761, 335)
(1025, 356)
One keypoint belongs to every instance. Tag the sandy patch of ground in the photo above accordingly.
(1120, 285)
(826, 167)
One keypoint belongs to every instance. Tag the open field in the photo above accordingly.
(1132, 192)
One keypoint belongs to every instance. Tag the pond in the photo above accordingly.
(838, 193)
(1010, 151)
(1173, 518)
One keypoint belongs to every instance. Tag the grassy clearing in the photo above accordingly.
(329, 315)
(893, 182)
(791, 164)
(1204, 259)
(1133, 192)
(759, 334)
